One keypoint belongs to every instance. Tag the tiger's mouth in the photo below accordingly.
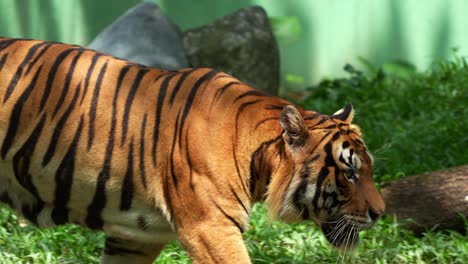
(343, 233)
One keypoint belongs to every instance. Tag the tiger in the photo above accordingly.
(149, 155)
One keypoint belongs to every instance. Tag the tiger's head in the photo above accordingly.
(331, 180)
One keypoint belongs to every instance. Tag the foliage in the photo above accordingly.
(63, 244)
(412, 122)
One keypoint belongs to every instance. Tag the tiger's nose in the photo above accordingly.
(375, 214)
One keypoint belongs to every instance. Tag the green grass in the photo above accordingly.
(267, 242)
(412, 122)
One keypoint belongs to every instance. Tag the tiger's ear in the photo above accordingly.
(345, 114)
(293, 125)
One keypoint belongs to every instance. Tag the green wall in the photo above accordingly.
(71, 21)
(317, 37)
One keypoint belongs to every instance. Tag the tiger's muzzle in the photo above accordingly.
(343, 232)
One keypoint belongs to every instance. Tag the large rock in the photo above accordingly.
(144, 35)
(241, 44)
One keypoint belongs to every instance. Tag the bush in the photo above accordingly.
(412, 122)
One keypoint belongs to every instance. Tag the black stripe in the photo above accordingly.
(241, 109)
(191, 98)
(343, 126)
(239, 200)
(338, 183)
(142, 151)
(314, 158)
(88, 75)
(94, 102)
(359, 142)
(128, 187)
(36, 59)
(6, 43)
(256, 158)
(330, 127)
(305, 213)
(22, 160)
(167, 192)
(224, 88)
(253, 172)
(52, 73)
(230, 218)
(94, 219)
(223, 75)
(316, 127)
(174, 140)
(322, 120)
(266, 120)
(128, 103)
(275, 107)
(64, 178)
(31, 212)
(299, 195)
(320, 142)
(16, 114)
(66, 85)
(157, 121)
(336, 136)
(59, 127)
(329, 160)
(241, 181)
(250, 93)
(189, 161)
(350, 158)
(18, 74)
(162, 74)
(220, 91)
(321, 177)
(344, 161)
(179, 84)
(3, 60)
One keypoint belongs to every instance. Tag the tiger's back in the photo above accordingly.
(147, 154)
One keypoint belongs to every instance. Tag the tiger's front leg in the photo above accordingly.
(120, 251)
(211, 242)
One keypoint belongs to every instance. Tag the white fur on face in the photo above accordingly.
(349, 160)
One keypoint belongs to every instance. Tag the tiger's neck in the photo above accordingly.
(269, 160)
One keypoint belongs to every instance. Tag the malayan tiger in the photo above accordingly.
(150, 155)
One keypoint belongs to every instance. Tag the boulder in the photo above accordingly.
(146, 36)
(241, 44)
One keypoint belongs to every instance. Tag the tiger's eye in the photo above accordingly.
(349, 173)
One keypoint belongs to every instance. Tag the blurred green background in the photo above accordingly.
(316, 37)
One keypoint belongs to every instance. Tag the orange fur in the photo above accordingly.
(147, 155)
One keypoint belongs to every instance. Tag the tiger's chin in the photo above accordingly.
(343, 235)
